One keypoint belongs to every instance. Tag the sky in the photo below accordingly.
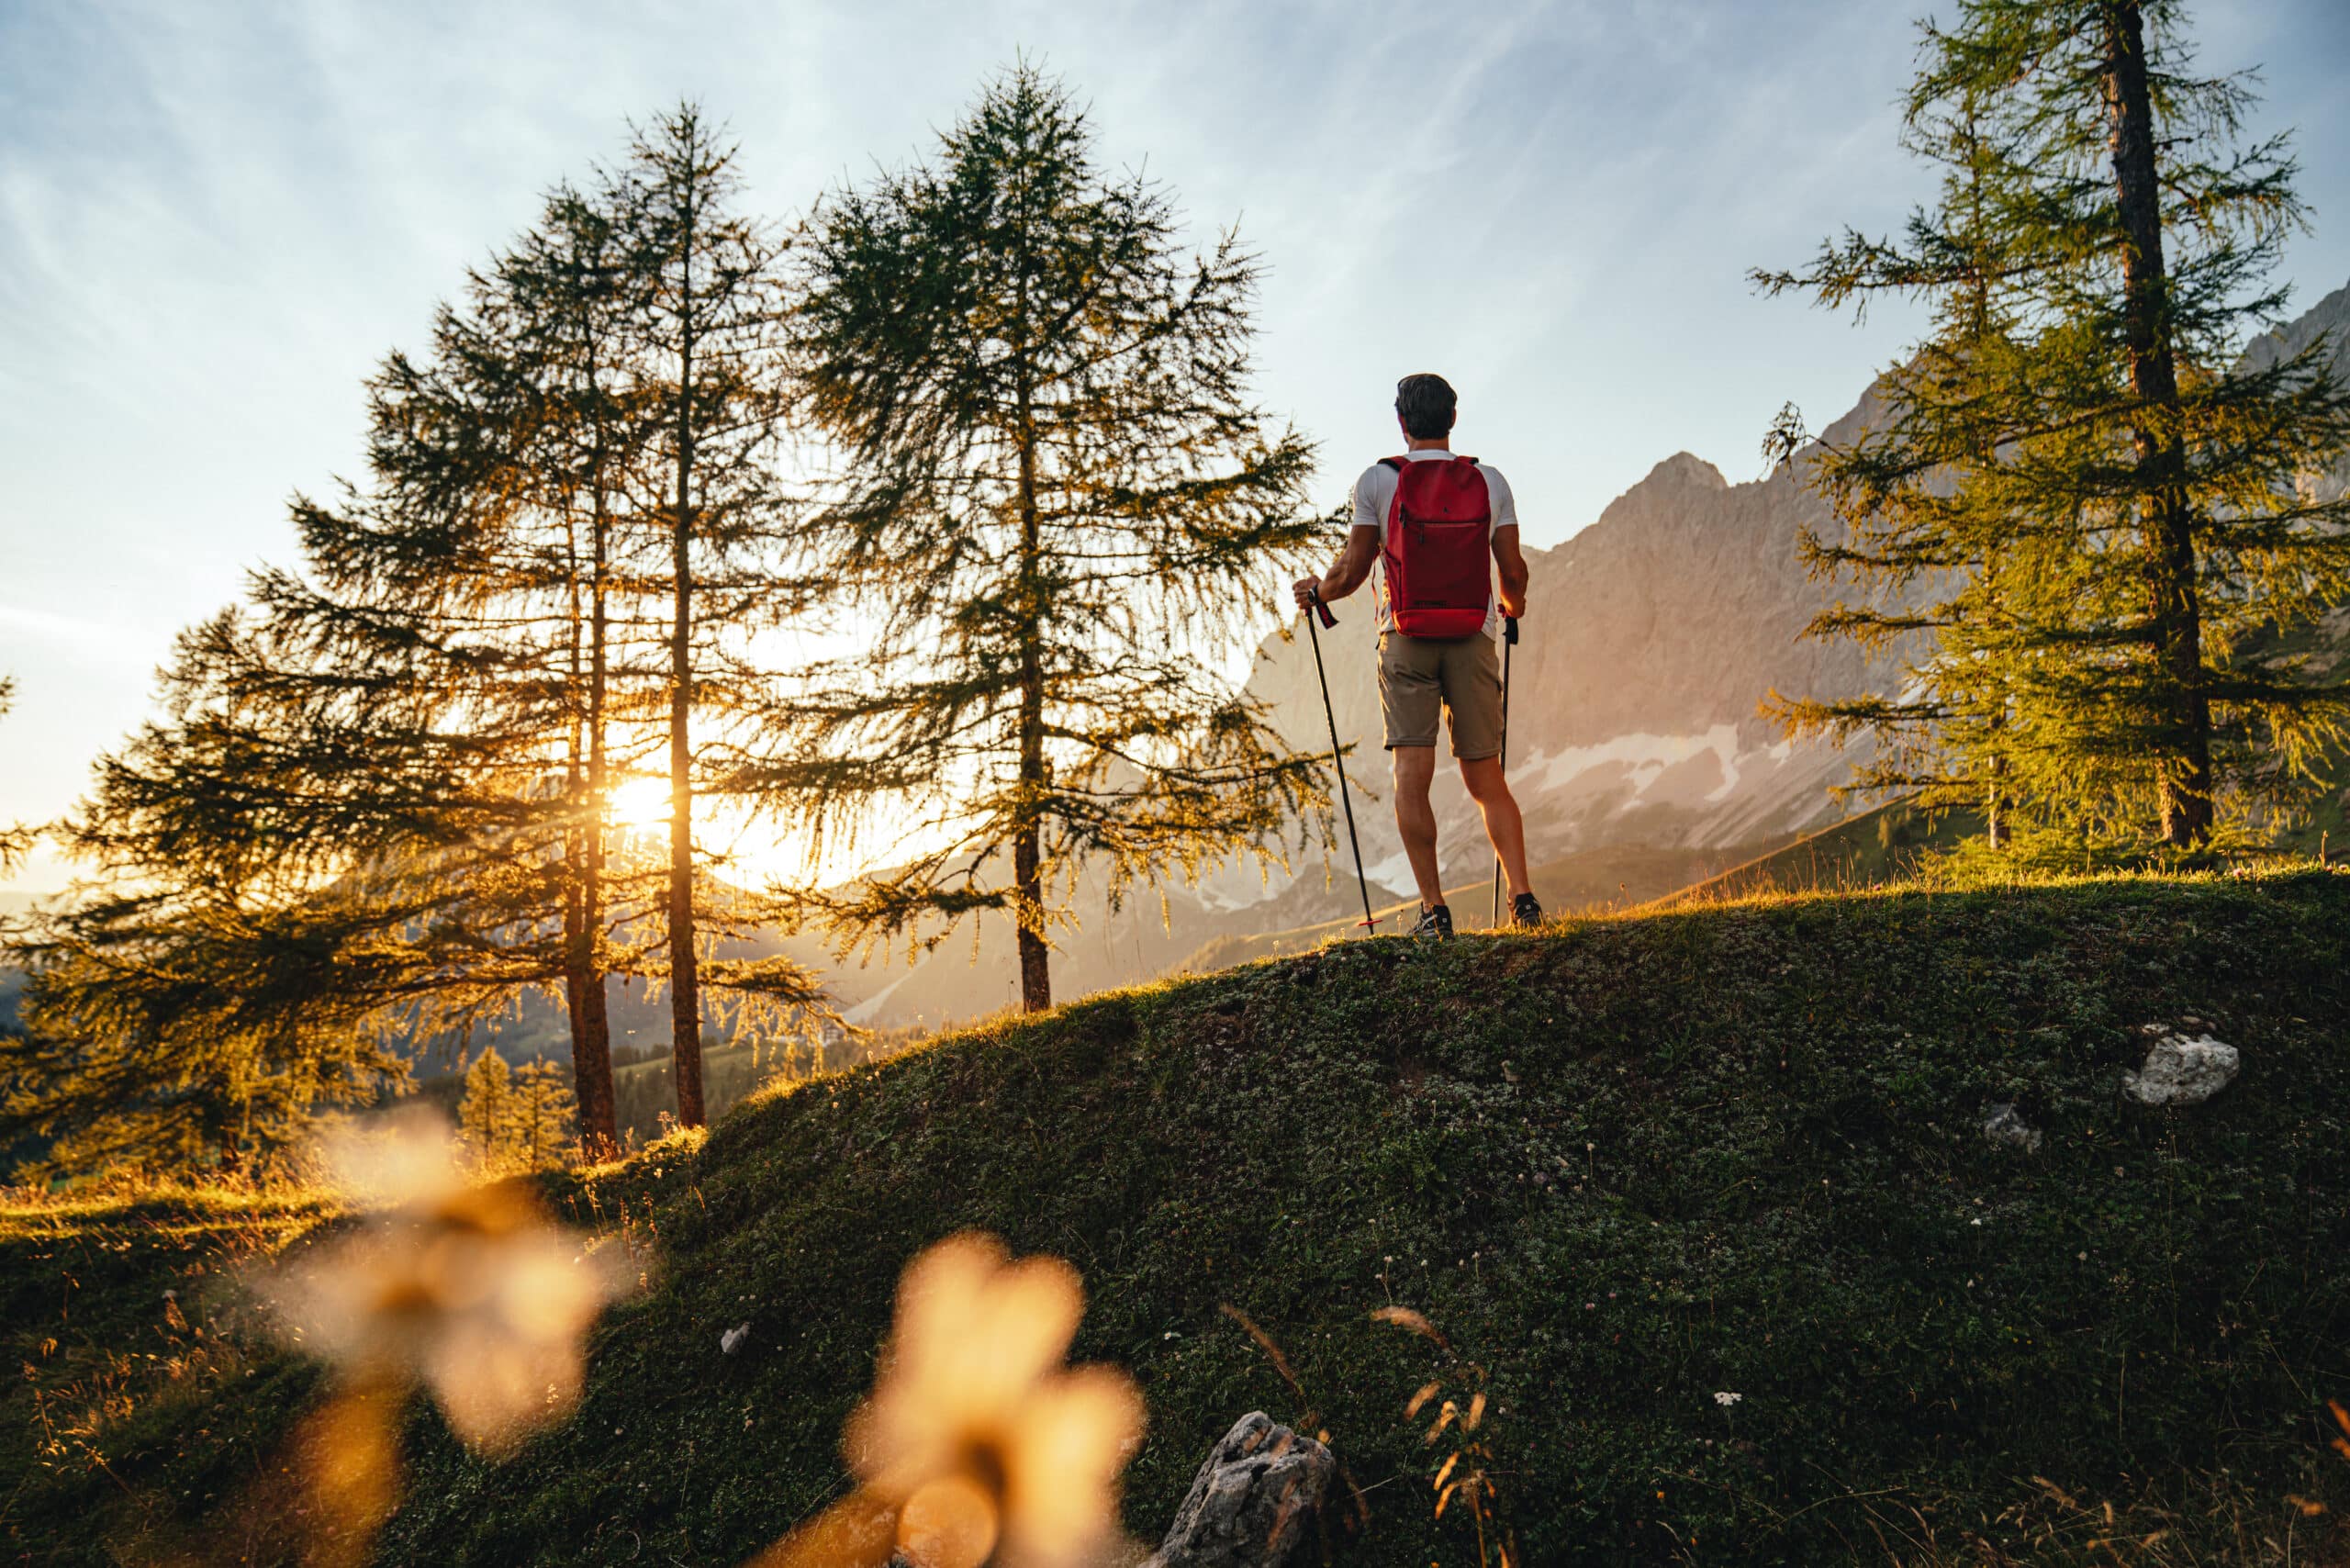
(215, 218)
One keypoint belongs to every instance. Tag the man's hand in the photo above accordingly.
(1307, 589)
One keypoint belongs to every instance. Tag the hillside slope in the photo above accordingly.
(1631, 1167)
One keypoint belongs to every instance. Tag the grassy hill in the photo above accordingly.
(1589, 881)
(1629, 1166)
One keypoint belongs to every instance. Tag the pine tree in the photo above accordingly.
(1062, 515)
(2107, 526)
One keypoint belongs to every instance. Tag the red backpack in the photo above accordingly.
(1438, 550)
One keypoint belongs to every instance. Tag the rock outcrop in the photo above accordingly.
(1254, 1502)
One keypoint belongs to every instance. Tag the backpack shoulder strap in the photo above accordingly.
(1398, 463)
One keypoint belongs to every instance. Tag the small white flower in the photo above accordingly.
(1726, 1400)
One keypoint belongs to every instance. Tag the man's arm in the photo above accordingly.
(1348, 572)
(1514, 572)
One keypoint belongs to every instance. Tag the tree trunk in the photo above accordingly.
(591, 1059)
(685, 988)
(2183, 761)
(1027, 844)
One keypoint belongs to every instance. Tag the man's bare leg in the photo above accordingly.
(1415, 818)
(1503, 825)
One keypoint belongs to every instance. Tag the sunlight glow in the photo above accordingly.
(640, 802)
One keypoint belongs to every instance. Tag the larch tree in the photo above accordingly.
(544, 1115)
(2122, 506)
(1061, 515)
(1923, 523)
(708, 352)
(568, 298)
(485, 1114)
(375, 811)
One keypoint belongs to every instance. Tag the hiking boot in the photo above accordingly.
(1526, 910)
(1435, 925)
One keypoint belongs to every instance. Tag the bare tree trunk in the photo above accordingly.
(685, 988)
(592, 1037)
(1027, 846)
(2174, 607)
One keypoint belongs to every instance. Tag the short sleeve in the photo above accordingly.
(1497, 491)
(1369, 511)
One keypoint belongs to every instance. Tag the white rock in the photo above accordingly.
(731, 1340)
(2181, 1069)
(2003, 1123)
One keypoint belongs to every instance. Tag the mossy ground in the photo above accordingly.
(1627, 1166)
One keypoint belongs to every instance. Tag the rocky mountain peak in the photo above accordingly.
(1685, 469)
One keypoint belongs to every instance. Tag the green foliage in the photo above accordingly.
(1064, 518)
(1623, 1168)
(169, 1033)
(2083, 521)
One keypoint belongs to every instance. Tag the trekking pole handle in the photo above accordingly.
(1509, 629)
(1322, 609)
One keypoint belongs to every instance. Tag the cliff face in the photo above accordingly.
(2329, 317)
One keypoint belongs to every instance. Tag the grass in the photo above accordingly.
(1589, 881)
(124, 1312)
(1626, 1165)
(1870, 849)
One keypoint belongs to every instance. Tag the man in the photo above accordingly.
(1441, 530)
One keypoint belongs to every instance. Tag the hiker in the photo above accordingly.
(1441, 529)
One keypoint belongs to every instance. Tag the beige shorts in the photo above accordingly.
(1461, 674)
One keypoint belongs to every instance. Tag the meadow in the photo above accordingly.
(1702, 1200)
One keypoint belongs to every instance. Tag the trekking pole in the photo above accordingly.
(1509, 641)
(1321, 611)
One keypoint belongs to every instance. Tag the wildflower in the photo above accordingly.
(1726, 1400)
(470, 1290)
(977, 1443)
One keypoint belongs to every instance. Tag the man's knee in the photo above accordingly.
(1414, 767)
(1483, 777)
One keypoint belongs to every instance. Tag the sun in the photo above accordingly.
(640, 802)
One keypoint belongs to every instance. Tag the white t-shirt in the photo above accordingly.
(1375, 497)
